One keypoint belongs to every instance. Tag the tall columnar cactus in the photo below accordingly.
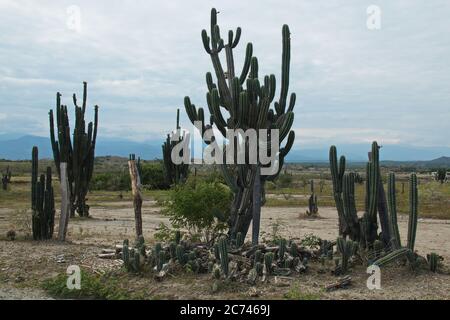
(337, 175)
(413, 209)
(42, 201)
(408, 251)
(362, 229)
(223, 252)
(392, 200)
(247, 100)
(313, 208)
(78, 152)
(174, 173)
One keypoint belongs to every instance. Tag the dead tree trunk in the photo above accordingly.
(65, 203)
(137, 196)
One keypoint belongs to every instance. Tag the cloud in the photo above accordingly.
(140, 58)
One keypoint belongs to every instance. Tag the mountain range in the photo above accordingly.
(19, 148)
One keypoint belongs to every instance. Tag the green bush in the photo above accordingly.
(201, 207)
(153, 177)
(111, 181)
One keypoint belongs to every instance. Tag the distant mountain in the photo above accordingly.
(19, 148)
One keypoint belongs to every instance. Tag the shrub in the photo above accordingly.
(152, 176)
(201, 207)
(111, 181)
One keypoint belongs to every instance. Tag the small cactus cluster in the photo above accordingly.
(347, 250)
(77, 152)
(433, 260)
(42, 201)
(6, 178)
(174, 173)
(134, 258)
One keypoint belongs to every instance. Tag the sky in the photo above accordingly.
(354, 84)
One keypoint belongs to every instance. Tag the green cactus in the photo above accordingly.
(346, 249)
(413, 203)
(363, 230)
(223, 251)
(293, 250)
(392, 201)
(313, 207)
(433, 261)
(392, 256)
(259, 268)
(174, 173)
(180, 254)
(161, 259)
(77, 153)
(247, 100)
(42, 201)
(281, 248)
(268, 260)
(173, 250)
(258, 256)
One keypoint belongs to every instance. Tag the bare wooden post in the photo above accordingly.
(65, 203)
(137, 196)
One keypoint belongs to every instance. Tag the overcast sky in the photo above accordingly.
(140, 58)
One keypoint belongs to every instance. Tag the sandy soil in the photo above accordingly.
(24, 263)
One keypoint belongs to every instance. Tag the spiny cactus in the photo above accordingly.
(293, 250)
(433, 261)
(223, 251)
(42, 201)
(77, 153)
(180, 254)
(248, 104)
(281, 248)
(392, 200)
(364, 229)
(346, 249)
(413, 208)
(268, 260)
(133, 258)
(174, 173)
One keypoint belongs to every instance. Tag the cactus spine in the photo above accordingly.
(77, 153)
(248, 102)
(42, 201)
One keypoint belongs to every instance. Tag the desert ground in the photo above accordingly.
(25, 264)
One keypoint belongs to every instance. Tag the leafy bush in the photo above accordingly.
(200, 206)
(152, 176)
(111, 181)
(284, 180)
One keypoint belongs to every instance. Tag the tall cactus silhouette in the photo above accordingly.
(79, 153)
(174, 173)
(42, 201)
(239, 101)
